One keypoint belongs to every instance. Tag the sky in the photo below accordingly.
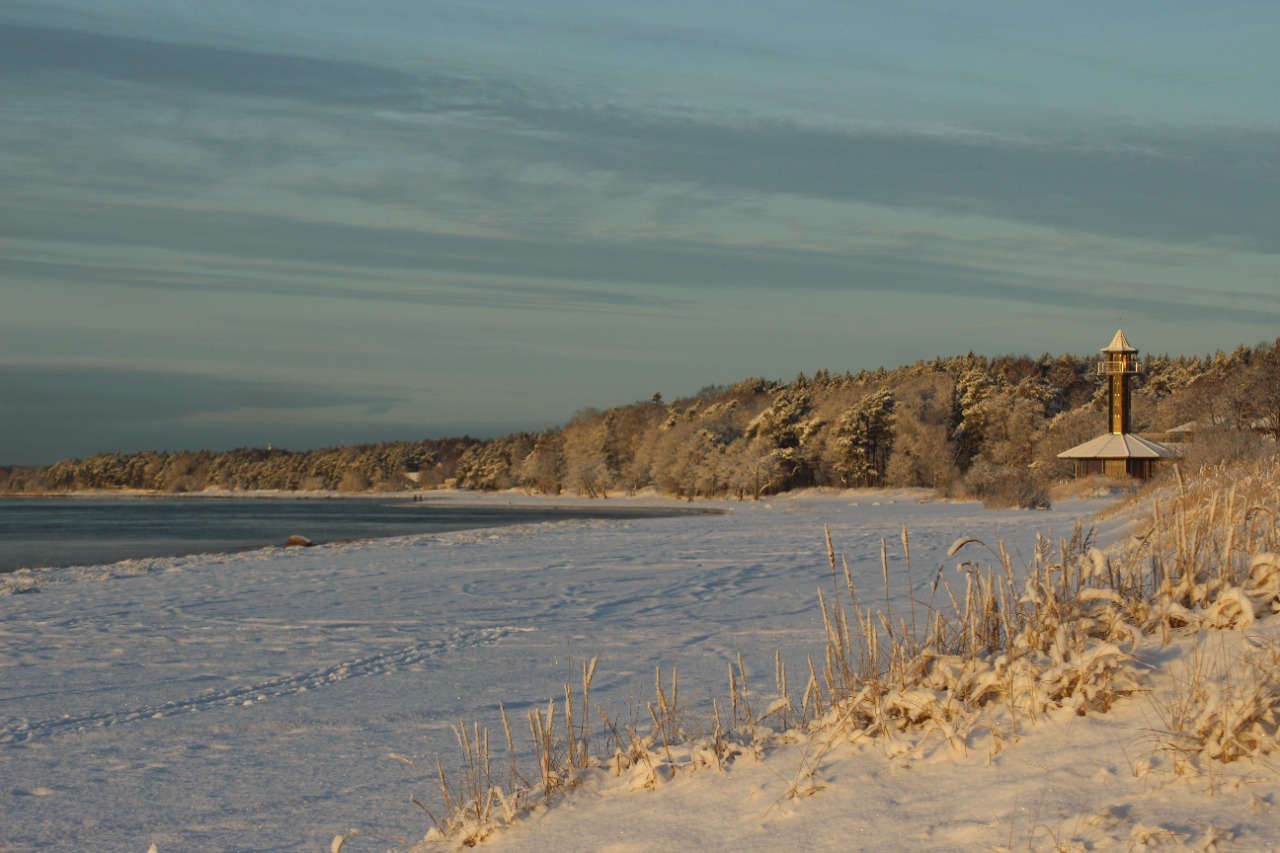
(311, 223)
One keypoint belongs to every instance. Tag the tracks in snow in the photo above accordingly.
(243, 695)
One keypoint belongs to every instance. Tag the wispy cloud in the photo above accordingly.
(1169, 184)
(1166, 184)
(319, 262)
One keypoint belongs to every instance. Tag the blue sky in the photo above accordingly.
(312, 223)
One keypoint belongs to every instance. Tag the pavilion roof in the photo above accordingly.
(1119, 446)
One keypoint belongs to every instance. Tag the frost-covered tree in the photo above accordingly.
(787, 429)
(1013, 418)
(543, 468)
(493, 465)
(863, 440)
(970, 411)
(923, 452)
(590, 460)
(1265, 391)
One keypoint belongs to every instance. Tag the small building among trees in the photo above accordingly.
(1118, 453)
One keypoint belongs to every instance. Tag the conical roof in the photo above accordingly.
(1114, 446)
(1119, 344)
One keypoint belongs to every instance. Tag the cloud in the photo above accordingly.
(367, 127)
(29, 53)
(60, 410)
(1166, 184)
(415, 286)
(322, 259)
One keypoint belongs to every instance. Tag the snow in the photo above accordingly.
(252, 701)
(1068, 783)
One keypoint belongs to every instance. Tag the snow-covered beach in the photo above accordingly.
(251, 701)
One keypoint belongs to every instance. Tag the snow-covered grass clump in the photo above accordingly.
(1001, 644)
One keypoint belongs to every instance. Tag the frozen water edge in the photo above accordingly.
(249, 701)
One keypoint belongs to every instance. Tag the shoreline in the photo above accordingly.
(102, 529)
(887, 495)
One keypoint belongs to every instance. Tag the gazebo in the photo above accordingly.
(1118, 453)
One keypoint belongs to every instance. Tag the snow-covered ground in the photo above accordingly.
(250, 701)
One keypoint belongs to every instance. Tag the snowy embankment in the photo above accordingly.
(251, 701)
(1064, 782)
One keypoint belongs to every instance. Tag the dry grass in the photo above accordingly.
(1007, 645)
(1052, 640)
(1060, 633)
(1221, 706)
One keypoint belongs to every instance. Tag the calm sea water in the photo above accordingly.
(86, 531)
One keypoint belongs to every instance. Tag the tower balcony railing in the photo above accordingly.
(1107, 367)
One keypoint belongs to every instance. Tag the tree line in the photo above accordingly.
(387, 466)
(968, 425)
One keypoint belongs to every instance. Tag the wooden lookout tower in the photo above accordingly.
(1119, 361)
(1118, 453)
